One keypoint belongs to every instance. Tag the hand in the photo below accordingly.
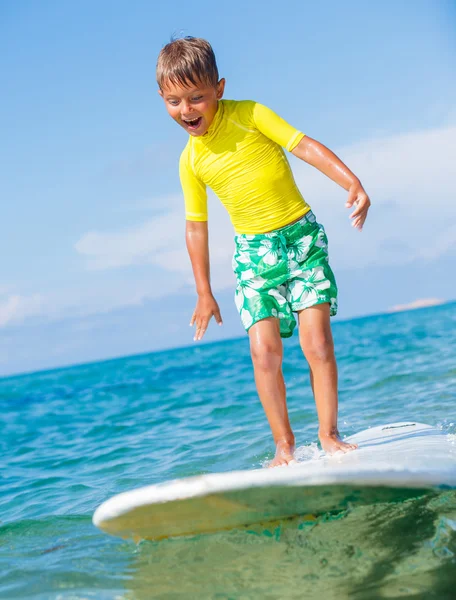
(206, 308)
(357, 195)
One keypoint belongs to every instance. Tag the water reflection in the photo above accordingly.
(390, 550)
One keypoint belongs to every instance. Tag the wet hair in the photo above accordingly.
(186, 61)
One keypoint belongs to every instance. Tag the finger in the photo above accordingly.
(358, 210)
(357, 224)
(218, 317)
(193, 319)
(362, 218)
(201, 329)
(360, 214)
(197, 323)
(200, 333)
(204, 325)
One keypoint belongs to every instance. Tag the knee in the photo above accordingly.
(266, 357)
(318, 347)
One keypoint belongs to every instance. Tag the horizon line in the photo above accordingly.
(410, 307)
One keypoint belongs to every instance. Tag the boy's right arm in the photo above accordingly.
(197, 240)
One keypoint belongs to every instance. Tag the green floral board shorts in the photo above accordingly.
(282, 272)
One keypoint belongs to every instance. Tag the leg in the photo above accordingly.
(267, 352)
(318, 347)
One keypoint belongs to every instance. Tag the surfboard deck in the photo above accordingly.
(399, 460)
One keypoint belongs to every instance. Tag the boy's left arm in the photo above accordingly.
(320, 157)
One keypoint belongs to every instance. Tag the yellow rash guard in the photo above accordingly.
(241, 159)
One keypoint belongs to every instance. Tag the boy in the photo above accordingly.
(281, 258)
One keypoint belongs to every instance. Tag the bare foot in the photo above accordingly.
(331, 443)
(284, 454)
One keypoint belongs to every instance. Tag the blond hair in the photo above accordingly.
(187, 61)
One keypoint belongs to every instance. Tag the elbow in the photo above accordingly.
(195, 230)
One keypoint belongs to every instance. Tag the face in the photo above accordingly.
(193, 107)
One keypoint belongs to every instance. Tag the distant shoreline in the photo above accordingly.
(420, 303)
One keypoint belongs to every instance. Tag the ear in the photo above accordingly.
(220, 88)
(160, 92)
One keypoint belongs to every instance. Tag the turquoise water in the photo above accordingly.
(73, 437)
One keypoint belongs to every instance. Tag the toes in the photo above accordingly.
(343, 447)
(282, 462)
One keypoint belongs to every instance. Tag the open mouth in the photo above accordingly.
(193, 123)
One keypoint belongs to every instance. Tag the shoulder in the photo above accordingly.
(238, 107)
(240, 111)
(246, 110)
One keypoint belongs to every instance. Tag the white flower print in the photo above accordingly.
(247, 275)
(301, 247)
(268, 251)
(307, 291)
(294, 267)
(278, 296)
(239, 299)
(242, 243)
(256, 282)
(246, 318)
(243, 257)
(250, 286)
(274, 312)
(250, 292)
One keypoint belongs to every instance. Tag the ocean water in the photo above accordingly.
(73, 437)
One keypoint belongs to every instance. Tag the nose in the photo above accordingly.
(186, 107)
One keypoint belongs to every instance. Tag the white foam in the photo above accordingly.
(310, 452)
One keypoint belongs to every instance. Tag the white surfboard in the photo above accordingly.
(400, 460)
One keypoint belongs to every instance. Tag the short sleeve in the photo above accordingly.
(194, 190)
(276, 128)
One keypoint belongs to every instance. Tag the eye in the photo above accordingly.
(197, 98)
(173, 102)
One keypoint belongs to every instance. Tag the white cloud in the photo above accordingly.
(83, 300)
(137, 245)
(16, 308)
(160, 241)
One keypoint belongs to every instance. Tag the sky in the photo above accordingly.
(92, 223)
